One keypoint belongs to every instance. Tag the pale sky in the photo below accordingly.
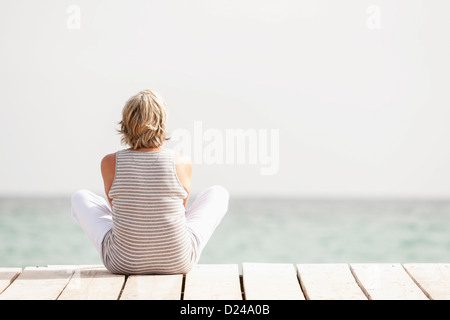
(358, 91)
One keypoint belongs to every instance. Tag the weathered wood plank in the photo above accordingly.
(7, 276)
(153, 287)
(432, 278)
(386, 281)
(213, 282)
(93, 283)
(38, 283)
(328, 282)
(271, 281)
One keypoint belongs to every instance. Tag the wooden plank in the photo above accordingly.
(93, 283)
(213, 282)
(38, 283)
(271, 281)
(153, 287)
(328, 282)
(386, 281)
(7, 276)
(432, 278)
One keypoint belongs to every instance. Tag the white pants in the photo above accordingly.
(93, 214)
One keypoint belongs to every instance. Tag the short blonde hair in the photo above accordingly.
(143, 122)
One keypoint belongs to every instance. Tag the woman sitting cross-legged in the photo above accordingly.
(146, 228)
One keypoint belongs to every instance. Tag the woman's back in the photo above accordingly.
(148, 230)
(149, 233)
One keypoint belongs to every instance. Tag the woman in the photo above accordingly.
(146, 228)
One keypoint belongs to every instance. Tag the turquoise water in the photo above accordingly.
(40, 231)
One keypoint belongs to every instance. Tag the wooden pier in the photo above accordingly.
(258, 281)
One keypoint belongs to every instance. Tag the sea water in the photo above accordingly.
(40, 231)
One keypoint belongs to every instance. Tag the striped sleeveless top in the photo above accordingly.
(149, 233)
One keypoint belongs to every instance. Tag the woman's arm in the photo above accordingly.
(183, 165)
(108, 168)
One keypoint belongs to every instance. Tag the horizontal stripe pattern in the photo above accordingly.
(149, 233)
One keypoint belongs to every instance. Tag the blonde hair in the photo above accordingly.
(143, 122)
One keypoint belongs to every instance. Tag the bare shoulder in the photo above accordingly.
(108, 169)
(183, 164)
(109, 162)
